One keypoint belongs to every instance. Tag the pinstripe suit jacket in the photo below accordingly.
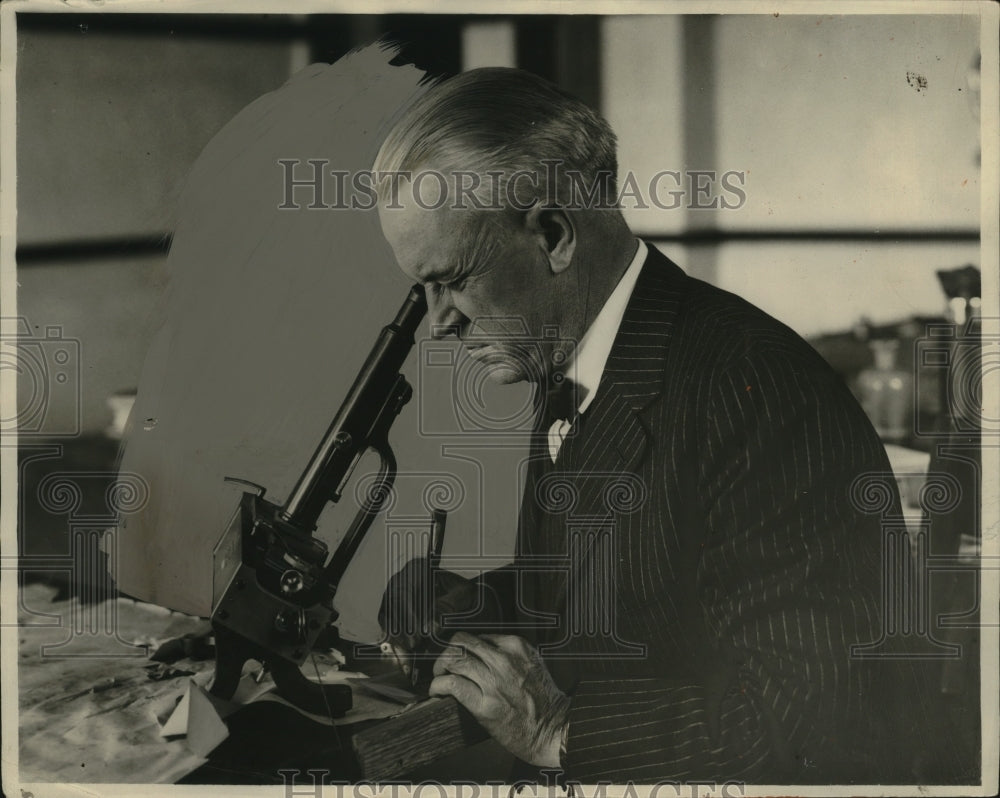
(692, 567)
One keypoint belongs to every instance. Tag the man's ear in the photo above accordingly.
(555, 231)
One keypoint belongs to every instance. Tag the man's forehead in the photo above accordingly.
(413, 191)
(426, 241)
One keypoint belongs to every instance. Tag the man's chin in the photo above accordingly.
(502, 374)
(500, 365)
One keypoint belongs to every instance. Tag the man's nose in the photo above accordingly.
(445, 319)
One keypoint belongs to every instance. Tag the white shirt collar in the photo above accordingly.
(586, 364)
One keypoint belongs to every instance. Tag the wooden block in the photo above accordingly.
(425, 732)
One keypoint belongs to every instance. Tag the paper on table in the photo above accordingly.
(205, 727)
(177, 723)
(198, 716)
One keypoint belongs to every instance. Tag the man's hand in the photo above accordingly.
(503, 682)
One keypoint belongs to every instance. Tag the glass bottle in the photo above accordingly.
(887, 393)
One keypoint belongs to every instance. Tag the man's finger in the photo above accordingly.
(512, 644)
(460, 662)
(494, 658)
(467, 693)
(441, 663)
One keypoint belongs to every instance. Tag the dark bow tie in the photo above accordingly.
(561, 399)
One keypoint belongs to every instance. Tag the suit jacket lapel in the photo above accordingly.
(613, 437)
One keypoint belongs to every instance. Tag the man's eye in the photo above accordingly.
(451, 285)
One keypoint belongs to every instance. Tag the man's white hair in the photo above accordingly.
(514, 132)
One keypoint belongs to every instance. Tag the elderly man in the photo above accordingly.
(710, 448)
